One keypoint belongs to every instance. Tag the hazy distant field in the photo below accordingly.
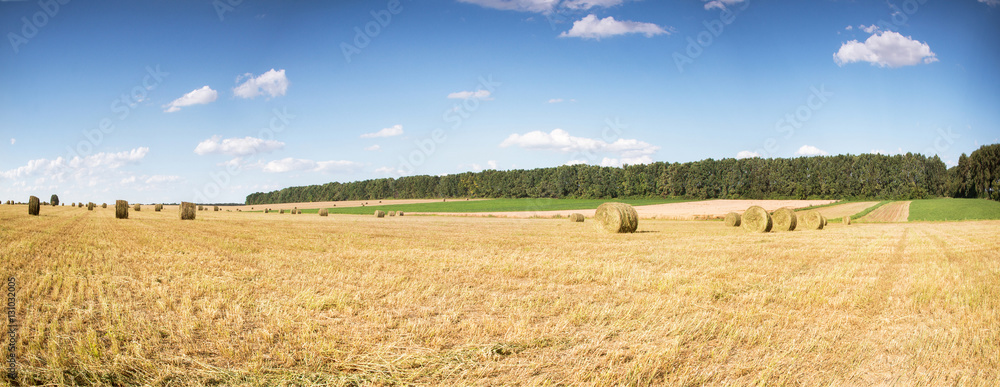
(249, 298)
(492, 205)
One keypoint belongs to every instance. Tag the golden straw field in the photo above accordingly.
(267, 299)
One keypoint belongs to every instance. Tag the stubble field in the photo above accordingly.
(268, 299)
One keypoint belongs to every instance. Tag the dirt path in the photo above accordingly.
(842, 210)
(892, 212)
(707, 209)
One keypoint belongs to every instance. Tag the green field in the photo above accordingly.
(497, 205)
(954, 209)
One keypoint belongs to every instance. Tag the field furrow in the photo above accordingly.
(892, 212)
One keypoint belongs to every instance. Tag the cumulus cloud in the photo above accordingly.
(202, 96)
(886, 49)
(560, 140)
(542, 6)
(747, 155)
(273, 83)
(12, 141)
(373, 148)
(237, 146)
(555, 100)
(721, 4)
(387, 171)
(78, 167)
(869, 29)
(395, 130)
(613, 162)
(478, 94)
(590, 27)
(809, 150)
(991, 3)
(156, 179)
(303, 165)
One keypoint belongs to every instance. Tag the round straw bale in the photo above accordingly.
(188, 211)
(121, 209)
(812, 220)
(847, 220)
(104, 205)
(282, 211)
(733, 219)
(824, 219)
(158, 207)
(576, 218)
(617, 218)
(90, 206)
(34, 206)
(138, 207)
(756, 219)
(783, 219)
(379, 214)
(323, 212)
(216, 208)
(399, 213)
(391, 213)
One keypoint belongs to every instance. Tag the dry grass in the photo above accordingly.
(892, 212)
(250, 299)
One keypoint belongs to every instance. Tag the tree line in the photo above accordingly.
(867, 176)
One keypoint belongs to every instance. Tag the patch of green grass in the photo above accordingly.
(836, 203)
(954, 209)
(496, 205)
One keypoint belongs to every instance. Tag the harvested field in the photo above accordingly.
(248, 298)
(846, 209)
(892, 212)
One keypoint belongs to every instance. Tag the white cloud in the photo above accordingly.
(809, 150)
(721, 4)
(561, 141)
(886, 49)
(155, 179)
(747, 155)
(12, 141)
(272, 83)
(395, 130)
(373, 148)
(202, 96)
(849, 28)
(991, 3)
(868, 29)
(128, 180)
(575, 162)
(492, 164)
(302, 165)
(60, 168)
(237, 146)
(542, 6)
(611, 162)
(387, 171)
(590, 27)
(883, 152)
(555, 100)
(539, 6)
(588, 4)
(478, 94)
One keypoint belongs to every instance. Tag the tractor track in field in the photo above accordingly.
(894, 212)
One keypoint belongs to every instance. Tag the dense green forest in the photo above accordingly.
(869, 176)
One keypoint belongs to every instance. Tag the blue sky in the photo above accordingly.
(210, 101)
